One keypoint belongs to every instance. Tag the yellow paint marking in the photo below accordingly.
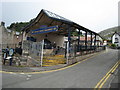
(105, 78)
(56, 69)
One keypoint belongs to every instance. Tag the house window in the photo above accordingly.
(116, 40)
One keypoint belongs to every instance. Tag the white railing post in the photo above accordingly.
(41, 58)
(67, 52)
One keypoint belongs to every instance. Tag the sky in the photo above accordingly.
(96, 15)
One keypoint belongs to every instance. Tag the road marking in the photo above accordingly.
(56, 69)
(105, 78)
(109, 75)
(22, 73)
(113, 76)
(13, 73)
(29, 76)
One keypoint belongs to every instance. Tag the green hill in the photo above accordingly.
(17, 26)
(106, 34)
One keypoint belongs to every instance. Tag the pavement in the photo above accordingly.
(30, 69)
(8, 68)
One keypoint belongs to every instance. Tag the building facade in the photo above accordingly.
(116, 39)
(8, 37)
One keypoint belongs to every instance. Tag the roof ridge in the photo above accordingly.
(54, 15)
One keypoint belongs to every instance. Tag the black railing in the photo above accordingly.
(85, 48)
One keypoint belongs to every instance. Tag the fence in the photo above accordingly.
(34, 50)
(73, 50)
(57, 55)
(46, 57)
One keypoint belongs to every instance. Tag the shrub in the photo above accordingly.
(113, 46)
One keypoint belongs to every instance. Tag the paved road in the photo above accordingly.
(83, 75)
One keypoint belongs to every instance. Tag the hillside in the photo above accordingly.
(106, 34)
(17, 26)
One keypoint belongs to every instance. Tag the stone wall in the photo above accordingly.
(8, 38)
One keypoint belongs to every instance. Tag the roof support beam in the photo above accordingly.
(69, 34)
(40, 17)
(51, 23)
(79, 40)
(86, 40)
(91, 41)
(95, 42)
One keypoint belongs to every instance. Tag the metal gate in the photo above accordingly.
(33, 49)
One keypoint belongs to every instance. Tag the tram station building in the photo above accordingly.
(46, 19)
(56, 31)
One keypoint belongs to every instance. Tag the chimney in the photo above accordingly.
(2, 24)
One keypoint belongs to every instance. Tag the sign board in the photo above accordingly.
(45, 30)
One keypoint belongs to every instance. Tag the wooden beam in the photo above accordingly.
(91, 41)
(79, 40)
(86, 40)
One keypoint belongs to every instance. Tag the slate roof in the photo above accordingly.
(118, 33)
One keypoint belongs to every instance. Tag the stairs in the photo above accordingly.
(53, 60)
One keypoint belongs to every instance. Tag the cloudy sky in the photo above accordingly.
(95, 15)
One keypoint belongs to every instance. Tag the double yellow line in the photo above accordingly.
(105, 78)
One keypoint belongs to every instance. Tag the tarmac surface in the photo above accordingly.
(85, 74)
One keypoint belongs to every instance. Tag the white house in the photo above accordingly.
(116, 39)
(105, 42)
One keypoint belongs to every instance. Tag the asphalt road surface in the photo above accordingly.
(83, 75)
